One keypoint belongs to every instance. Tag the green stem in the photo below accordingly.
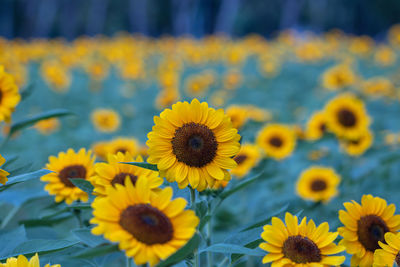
(222, 264)
(209, 254)
(196, 262)
(129, 262)
(77, 213)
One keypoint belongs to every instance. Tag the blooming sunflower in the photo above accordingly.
(66, 166)
(238, 115)
(347, 117)
(318, 184)
(301, 244)
(277, 140)
(122, 144)
(3, 173)
(149, 226)
(389, 252)
(47, 126)
(248, 157)
(22, 261)
(316, 126)
(192, 143)
(113, 172)
(358, 146)
(9, 96)
(338, 77)
(106, 120)
(364, 226)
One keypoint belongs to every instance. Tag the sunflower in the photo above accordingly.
(338, 77)
(113, 172)
(316, 126)
(192, 143)
(3, 173)
(318, 184)
(124, 145)
(66, 166)
(106, 120)
(100, 149)
(365, 225)
(148, 225)
(248, 157)
(47, 126)
(9, 96)
(358, 146)
(238, 115)
(277, 140)
(389, 253)
(22, 261)
(301, 244)
(347, 117)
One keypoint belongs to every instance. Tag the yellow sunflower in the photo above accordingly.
(66, 166)
(248, 157)
(3, 173)
(22, 261)
(302, 244)
(47, 126)
(358, 146)
(389, 253)
(364, 226)
(100, 149)
(238, 115)
(338, 77)
(149, 226)
(316, 126)
(106, 120)
(277, 140)
(318, 184)
(9, 96)
(124, 145)
(113, 172)
(347, 116)
(192, 143)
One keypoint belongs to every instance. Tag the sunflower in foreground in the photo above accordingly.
(9, 95)
(389, 253)
(193, 144)
(148, 225)
(358, 146)
(302, 244)
(347, 117)
(106, 120)
(316, 126)
(67, 166)
(364, 226)
(248, 157)
(3, 173)
(113, 172)
(278, 141)
(22, 261)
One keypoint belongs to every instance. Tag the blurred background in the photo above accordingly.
(72, 18)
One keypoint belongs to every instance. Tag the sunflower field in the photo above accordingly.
(133, 151)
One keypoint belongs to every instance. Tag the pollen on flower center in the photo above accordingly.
(371, 229)
(318, 185)
(240, 159)
(346, 118)
(147, 224)
(276, 141)
(301, 249)
(194, 144)
(70, 172)
(120, 178)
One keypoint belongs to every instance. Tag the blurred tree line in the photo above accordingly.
(71, 18)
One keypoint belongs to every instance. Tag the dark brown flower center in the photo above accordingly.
(1, 96)
(194, 144)
(301, 249)
(371, 229)
(322, 127)
(122, 150)
(147, 224)
(318, 185)
(346, 118)
(398, 259)
(120, 178)
(240, 159)
(70, 172)
(276, 141)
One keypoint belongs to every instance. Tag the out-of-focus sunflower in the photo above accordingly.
(278, 141)
(9, 95)
(248, 157)
(106, 120)
(100, 149)
(385, 56)
(338, 77)
(3, 173)
(316, 126)
(389, 253)
(347, 117)
(124, 145)
(192, 143)
(318, 184)
(67, 166)
(47, 126)
(364, 226)
(378, 87)
(149, 226)
(238, 115)
(357, 147)
(22, 261)
(113, 172)
(302, 244)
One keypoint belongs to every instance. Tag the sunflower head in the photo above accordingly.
(67, 166)
(238, 115)
(106, 120)
(22, 261)
(193, 144)
(123, 145)
(338, 77)
(357, 147)
(48, 126)
(248, 157)
(389, 253)
(9, 95)
(316, 126)
(278, 141)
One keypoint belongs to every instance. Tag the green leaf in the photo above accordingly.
(10, 239)
(97, 251)
(83, 184)
(265, 221)
(23, 178)
(231, 249)
(15, 127)
(252, 245)
(144, 165)
(27, 91)
(86, 237)
(182, 253)
(240, 186)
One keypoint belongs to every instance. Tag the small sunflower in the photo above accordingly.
(364, 226)
(106, 120)
(3, 173)
(277, 140)
(22, 261)
(192, 143)
(248, 157)
(124, 145)
(318, 184)
(65, 167)
(9, 95)
(389, 253)
(338, 77)
(347, 117)
(238, 115)
(358, 146)
(149, 226)
(47, 126)
(316, 126)
(301, 244)
(113, 172)
(100, 149)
